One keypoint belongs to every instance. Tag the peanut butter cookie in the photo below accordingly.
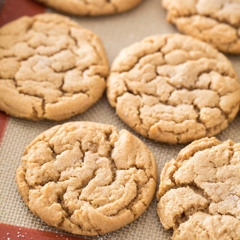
(174, 88)
(216, 22)
(50, 68)
(199, 194)
(87, 178)
(91, 7)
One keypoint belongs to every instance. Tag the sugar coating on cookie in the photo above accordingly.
(174, 89)
(216, 22)
(87, 178)
(91, 7)
(50, 68)
(199, 193)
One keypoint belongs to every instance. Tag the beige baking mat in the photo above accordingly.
(116, 32)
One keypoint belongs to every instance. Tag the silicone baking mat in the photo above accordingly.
(117, 32)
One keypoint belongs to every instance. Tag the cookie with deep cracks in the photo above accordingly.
(87, 178)
(215, 22)
(50, 68)
(174, 88)
(91, 8)
(199, 193)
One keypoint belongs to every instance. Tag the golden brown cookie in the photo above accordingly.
(91, 7)
(174, 88)
(87, 178)
(199, 193)
(50, 68)
(214, 21)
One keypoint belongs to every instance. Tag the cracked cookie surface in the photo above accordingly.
(87, 178)
(50, 68)
(199, 193)
(174, 89)
(91, 7)
(216, 22)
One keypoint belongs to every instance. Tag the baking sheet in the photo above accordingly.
(116, 32)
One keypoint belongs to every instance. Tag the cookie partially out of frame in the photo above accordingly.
(199, 194)
(214, 21)
(174, 88)
(50, 68)
(87, 178)
(92, 7)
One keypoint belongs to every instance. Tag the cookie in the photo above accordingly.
(215, 22)
(50, 68)
(174, 88)
(87, 178)
(92, 7)
(199, 193)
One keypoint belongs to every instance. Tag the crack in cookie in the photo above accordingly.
(199, 193)
(87, 178)
(50, 68)
(174, 89)
(91, 8)
(216, 22)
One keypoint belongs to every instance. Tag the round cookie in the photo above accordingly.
(174, 88)
(87, 178)
(92, 7)
(199, 194)
(216, 22)
(50, 68)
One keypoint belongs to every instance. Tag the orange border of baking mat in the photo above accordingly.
(9, 232)
(3, 125)
(11, 10)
